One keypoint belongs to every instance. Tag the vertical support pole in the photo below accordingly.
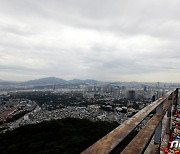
(176, 99)
(158, 131)
(158, 94)
(153, 98)
(169, 114)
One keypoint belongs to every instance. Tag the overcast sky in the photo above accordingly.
(108, 40)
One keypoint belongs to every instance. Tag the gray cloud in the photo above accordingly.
(104, 39)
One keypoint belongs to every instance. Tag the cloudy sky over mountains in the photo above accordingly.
(132, 40)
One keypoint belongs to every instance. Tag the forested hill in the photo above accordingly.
(68, 136)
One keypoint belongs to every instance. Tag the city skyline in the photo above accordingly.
(102, 40)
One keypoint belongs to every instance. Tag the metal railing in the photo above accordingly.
(164, 105)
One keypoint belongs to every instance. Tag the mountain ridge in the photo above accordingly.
(45, 81)
(50, 81)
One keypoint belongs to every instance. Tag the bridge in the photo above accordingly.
(155, 137)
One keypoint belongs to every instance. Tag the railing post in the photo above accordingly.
(176, 99)
(143, 138)
(158, 96)
(169, 114)
(158, 131)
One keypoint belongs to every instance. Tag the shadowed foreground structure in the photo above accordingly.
(165, 106)
(75, 135)
(57, 136)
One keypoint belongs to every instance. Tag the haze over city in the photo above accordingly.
(103, 40)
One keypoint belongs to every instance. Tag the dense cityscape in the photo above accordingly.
(89, 77)
(94, 101)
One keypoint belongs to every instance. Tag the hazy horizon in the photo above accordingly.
(156, 82)
(102, 40)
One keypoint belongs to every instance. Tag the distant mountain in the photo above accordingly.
(79, 81)
(46, 81)
(90, 81)
(75, 81)
(7, 81)
(2, 80)
(49, 81)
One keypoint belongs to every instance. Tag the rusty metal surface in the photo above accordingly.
(110, 141)
(142, 139)
(139, 145)
(166, 106)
